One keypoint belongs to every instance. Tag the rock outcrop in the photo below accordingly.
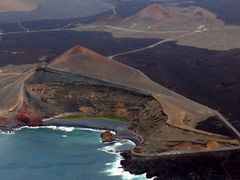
(27, 118)
(108, 136)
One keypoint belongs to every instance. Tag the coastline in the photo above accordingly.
(110, 153)
(152, 165)
(118, 127)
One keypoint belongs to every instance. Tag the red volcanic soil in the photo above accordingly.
(26, 117)
(85, 61)
(157, 13)
(76, 51)
(83, 51)
(190, 146)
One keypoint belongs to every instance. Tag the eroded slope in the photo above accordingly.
(80, 60)
(50, 92)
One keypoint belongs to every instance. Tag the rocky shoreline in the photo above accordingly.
(120, 128)
(221, 164)
(6, 129)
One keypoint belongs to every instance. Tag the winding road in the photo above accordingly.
(152, 45)
(27, 30)
(22, 27)
(141, 31)
(12, 90)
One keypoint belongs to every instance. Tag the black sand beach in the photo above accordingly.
(121, 128)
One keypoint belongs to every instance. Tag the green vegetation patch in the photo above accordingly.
(92, 116)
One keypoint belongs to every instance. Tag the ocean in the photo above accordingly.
(62, 153)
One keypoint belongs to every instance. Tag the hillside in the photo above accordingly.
(156, 12)
(80, 60)
(228, 11)
(156, 17)
(84, 82)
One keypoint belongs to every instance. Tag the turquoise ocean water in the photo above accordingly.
(60, 154)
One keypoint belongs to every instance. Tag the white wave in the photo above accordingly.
(59, 128)
(127, 141)
(62, 128)
(66, 129)
(7, 132)
(93, 130)
(118, 144)
(108, 149)
(114, 169)
(115, 147)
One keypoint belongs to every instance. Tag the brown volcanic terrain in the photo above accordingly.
(157, 18)
(82, 60)
(174, 112)
(12, 91)
(113, 19)
(181, 112)
(84, 82)
(17, 5)
(156, 12)
(86, 62)
(190, 26)
(208, 77)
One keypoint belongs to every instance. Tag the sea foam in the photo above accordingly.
(7, 132)
(60, 128)
(114, 169)
(115, 147)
